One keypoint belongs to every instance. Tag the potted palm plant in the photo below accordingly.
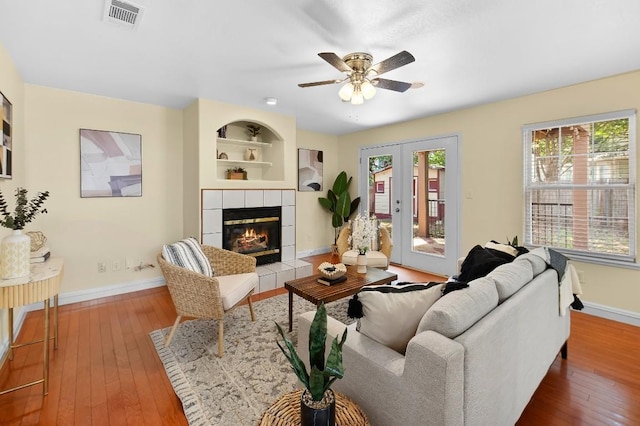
(317, 404)
(338, 202)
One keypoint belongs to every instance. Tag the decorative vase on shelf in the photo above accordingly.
(361, 264)
(250, 154)
(16, 251)
(254, 139)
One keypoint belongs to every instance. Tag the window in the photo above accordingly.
(580, 186)
(380, 187)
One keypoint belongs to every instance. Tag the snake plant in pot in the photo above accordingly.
(317, 405)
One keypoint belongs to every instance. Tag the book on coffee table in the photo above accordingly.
(327, 281)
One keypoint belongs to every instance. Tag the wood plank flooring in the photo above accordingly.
(106, 370)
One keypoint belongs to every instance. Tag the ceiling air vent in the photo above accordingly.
(122, 13)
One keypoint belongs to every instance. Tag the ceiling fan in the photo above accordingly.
(362, 76)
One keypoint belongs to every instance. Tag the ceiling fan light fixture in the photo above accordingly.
(357, 98)
(346, 92)
(368, 91)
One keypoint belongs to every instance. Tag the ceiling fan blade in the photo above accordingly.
(398, 86)
(319, 83)
(336, 61)
(396, 61)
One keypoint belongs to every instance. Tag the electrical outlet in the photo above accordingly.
(102, 267)
(116, 265)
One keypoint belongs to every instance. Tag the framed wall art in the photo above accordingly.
(110, 164)
(6, 148)
(309, 170)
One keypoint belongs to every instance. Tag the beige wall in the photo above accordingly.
(86, 231)
(12, 86)
(492, 164)
(314, 230)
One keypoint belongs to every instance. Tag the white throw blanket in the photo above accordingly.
(569, 283)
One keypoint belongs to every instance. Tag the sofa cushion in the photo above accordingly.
(375, 259)
(189, 255)
(235, 287)
(510, 278)
(391, 313)
(453, 314)
(480, 261)
(536, 259)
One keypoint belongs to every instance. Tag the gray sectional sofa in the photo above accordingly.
(478, 355)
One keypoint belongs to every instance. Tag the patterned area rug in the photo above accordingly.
(237, 388)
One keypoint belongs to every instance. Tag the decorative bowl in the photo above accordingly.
(331, 271)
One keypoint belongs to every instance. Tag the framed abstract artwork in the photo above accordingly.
(7, 138)
(309, 170)
(110, 164)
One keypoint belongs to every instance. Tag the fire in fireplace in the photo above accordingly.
(253, 231)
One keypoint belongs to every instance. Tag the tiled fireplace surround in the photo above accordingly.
(272, 275)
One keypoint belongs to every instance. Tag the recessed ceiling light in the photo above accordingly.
(270, 101)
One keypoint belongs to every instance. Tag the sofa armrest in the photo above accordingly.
(394, 389)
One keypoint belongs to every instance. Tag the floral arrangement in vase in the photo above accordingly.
(363, 230)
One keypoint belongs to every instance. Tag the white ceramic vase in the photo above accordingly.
(361, 264)
(16, 251)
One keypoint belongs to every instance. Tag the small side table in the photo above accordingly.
(39, 286)
(286, 411)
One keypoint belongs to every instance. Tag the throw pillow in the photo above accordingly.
(480, 261)
(189, 255)
(390, 314)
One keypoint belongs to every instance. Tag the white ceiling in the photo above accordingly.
(468, 52)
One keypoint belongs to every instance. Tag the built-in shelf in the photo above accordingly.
(243, 142)
(253, 163)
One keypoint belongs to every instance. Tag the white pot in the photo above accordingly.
(16, 251)
(361, 264)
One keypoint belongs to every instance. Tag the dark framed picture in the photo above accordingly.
(6, 148)
(309, 170)
(110, 164)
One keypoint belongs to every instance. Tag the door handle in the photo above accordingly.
(397, 210)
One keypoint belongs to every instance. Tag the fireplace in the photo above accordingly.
(253, 231)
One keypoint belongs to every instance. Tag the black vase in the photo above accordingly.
(323, 416)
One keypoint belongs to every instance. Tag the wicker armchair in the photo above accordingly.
(378, 259)
(199, 296)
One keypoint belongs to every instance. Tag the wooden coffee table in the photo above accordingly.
(310, 289)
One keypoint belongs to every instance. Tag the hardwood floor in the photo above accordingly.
(106, 370)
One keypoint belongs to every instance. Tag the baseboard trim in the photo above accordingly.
(615, 314)
(313, 252)
(97, 293)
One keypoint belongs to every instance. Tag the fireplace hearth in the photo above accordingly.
(254, 232)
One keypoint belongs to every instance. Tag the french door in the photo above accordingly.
(413, 189)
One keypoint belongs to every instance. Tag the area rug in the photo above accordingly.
(237, 388)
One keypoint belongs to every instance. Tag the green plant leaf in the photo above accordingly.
(334, 360)
(341, 184)
(292, 356)
(324, 202)
(316, 384)
(354, 207)
(317, 338)
(343, 206)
